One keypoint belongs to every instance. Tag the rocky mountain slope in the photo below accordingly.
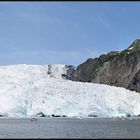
(120, 69)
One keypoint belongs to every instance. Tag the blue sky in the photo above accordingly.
(65, 32)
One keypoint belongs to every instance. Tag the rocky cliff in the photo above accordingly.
(120, 69)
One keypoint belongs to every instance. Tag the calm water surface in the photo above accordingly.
(69, 128)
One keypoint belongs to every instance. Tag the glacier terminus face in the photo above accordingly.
(26, 90)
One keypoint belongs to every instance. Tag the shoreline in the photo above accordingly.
(70, 118)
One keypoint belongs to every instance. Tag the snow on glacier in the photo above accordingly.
(26, 90)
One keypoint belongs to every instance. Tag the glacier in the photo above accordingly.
(26, 90)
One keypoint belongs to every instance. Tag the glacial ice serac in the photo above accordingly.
(26, 90)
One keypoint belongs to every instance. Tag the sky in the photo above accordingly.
(65, 32)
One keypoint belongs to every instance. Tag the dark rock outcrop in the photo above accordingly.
(40, 114)
(115, 68)
(70, 71)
